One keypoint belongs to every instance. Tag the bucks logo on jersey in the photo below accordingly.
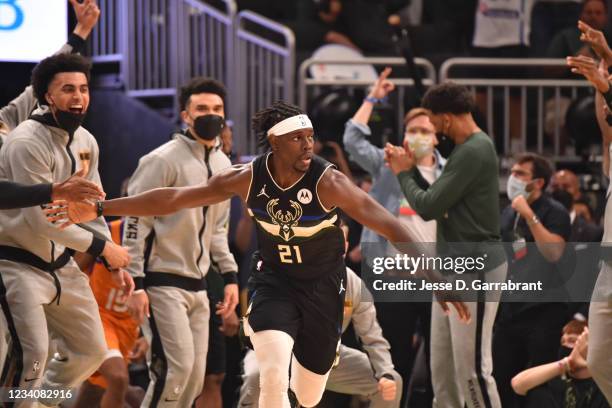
(286, 220)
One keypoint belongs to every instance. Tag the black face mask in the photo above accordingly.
(69, 121)
(564, 352)
(207, 127)
(445, 144)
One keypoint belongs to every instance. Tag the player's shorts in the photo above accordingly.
(121, 335)
(216, 356)
(310, 311)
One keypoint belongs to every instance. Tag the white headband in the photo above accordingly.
(290, 125)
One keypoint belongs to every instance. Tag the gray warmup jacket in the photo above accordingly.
(183, 244)
(38, 152)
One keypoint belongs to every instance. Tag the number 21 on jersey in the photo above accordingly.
(289, 253)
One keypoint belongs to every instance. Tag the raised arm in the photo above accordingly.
(161, 201)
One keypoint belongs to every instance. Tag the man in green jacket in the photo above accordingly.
(464, 201)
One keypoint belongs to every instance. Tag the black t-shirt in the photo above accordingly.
(568, 393)
(528, 264)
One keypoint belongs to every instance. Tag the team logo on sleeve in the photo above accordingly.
(286, 220)
(304, 196)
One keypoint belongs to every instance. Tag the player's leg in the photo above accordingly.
(75, 323)
(199, 315)
(249, 390)
(600, 333)
(472, 345)
(317, 342)
(354, 375)
(443, 378)
(23, 291)
(172, 353)
(215, 364)
(272, 323)
(89, 395)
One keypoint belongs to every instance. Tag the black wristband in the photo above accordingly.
(387, 376)
(77, 43)
(229, 277)
(96, 247)
(100, 208)
(138, 283)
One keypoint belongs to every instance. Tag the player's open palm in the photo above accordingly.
(387, 389)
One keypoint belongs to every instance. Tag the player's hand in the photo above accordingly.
(68, 213)
(382, 87)
(138, 305)
(588, 68)
(387, 389)
(140, 349)
(521, 206)
(399, 158)
(597, 41)
(125, 281)
(115, 255)
(230, 301)
(87, 14)
(445, 297)
(76, 188)
(230, 325)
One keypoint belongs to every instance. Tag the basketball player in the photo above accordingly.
(295, 315)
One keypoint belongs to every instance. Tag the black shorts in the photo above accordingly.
(215, 358)
(309, 311)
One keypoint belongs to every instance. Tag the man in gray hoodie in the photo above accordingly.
(172, 254)
(41, 287)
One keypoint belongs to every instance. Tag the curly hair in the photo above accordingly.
(264, 119)
(45, 71)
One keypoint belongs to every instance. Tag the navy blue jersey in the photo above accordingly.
(296, 235)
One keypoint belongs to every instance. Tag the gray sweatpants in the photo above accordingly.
(353, 376)
(177, 331)
(461, 361)
(600, 332)
(28, 297)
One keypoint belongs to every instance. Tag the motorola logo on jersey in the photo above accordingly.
(304, 196)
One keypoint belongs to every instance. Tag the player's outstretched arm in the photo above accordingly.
(160, 201)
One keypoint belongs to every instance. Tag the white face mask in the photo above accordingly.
(516, 187)
(420, 143)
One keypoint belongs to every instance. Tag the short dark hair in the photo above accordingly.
(45, 71)
(448, 98)
(200, 85)
(541, 167)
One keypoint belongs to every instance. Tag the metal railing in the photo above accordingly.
(106, 37)
(310, 86)
(522, 91)
(265, 70)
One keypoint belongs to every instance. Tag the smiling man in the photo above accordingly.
(299, 276)
(42, 289)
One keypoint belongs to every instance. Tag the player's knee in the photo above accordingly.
(214, 381)
(309, 398)
(273, 377)
(118, 379)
